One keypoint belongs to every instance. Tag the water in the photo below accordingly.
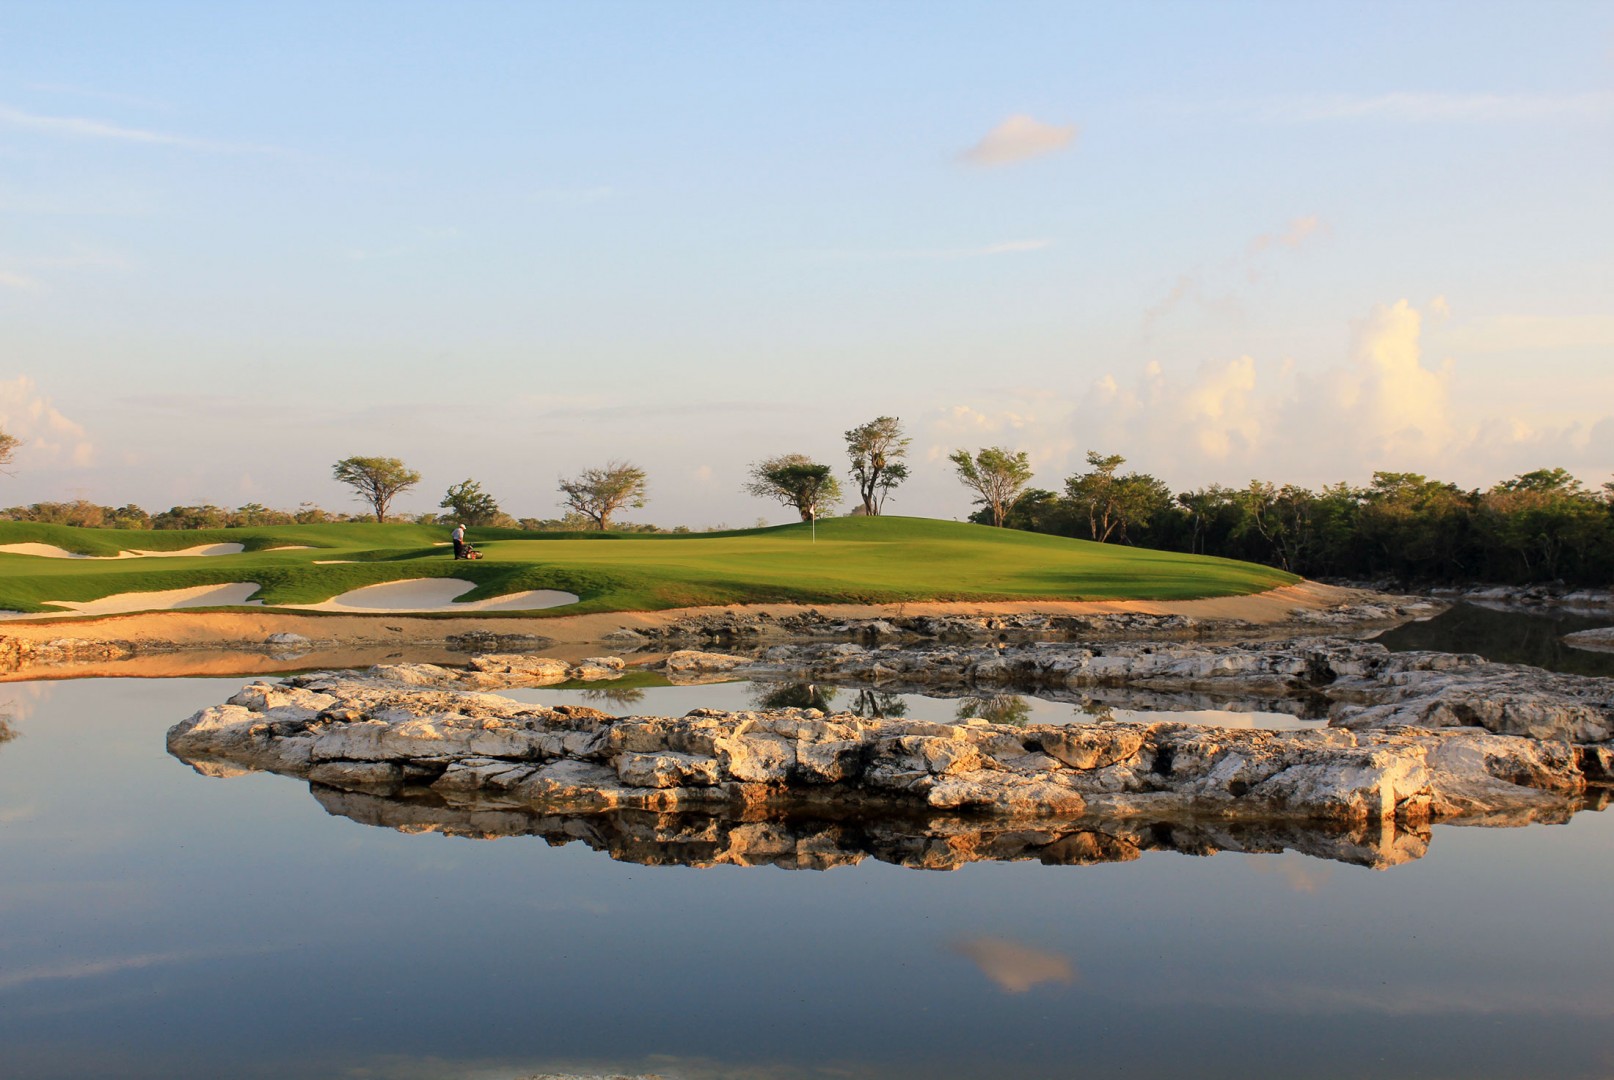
(1508, 637)
(158, 923)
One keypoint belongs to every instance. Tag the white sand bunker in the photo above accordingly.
(51, 551)
(166, 600)
(436, 594)
(200, 549)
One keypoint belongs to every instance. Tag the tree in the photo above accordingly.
(876, 450)
(995, 475)
(8, 446)
(471, 505)
(795, 480)
(377, 480)
(599, 493)
(1115, 505)
(1093, 493)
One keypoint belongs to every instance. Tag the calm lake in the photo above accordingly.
(158, 923)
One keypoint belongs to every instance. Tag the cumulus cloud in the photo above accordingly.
(1383, 405)
(44, 432)
(1036, 423)
(1019, 138)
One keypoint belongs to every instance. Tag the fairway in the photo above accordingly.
(853, 560)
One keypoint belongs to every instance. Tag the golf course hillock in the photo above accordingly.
(852, 560)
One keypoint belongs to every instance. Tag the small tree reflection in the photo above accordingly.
(1096, 711)
(614, 695)
(7, 732)
(996, 708)
(877, 705)
(777, 695)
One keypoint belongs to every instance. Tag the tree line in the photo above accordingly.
(1539, 526)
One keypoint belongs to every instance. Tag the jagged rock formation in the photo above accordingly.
(750, 627)
(1357, 685)
(1488, 747)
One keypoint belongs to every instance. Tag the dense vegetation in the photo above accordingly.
(854, 559)
(1542, 526)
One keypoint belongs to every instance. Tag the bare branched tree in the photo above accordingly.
(599, 493)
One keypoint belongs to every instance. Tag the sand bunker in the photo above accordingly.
(200, 549)
(332, 562)
(51, 551)
(436, 594)
(166, 600)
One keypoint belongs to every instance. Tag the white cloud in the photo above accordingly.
(1038, 423)
(1433, 108)
(13, 280)
(78, 127)
(1296, 233)
(44, 431)
(1232, 272)
(1019, 138)
(1005, 247)
(1384, 406)
(1531, 333)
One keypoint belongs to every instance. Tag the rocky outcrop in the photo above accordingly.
(430, 737)
(1357, 685)
(1598, 640)
(1371, 610)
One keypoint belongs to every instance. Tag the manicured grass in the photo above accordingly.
(885, 559)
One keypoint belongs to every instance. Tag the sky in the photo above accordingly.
(510, 241)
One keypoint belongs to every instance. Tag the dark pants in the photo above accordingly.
(459, 549)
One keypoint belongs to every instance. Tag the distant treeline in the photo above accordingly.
(90, 516)
(1541, 526)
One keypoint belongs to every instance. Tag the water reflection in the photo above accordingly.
(863, 701)
(1507, 637)
(1014, 967)
(613, 695)
(923, 841)
(995, 708)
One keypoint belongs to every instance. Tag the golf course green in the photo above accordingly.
(852, 560)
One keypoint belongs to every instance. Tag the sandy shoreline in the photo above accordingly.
(224, 629)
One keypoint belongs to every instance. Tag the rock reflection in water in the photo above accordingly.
(816, 842)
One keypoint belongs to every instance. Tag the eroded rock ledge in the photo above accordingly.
(420, 737)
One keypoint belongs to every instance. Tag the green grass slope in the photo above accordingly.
(883, 559)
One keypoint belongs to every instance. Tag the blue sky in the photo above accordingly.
(1294, 241)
